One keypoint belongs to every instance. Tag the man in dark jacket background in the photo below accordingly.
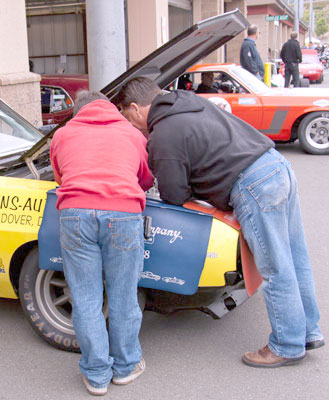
(249, 57)
(197, 150)
(291, 55)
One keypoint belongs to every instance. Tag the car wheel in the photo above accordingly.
(304, 82)
(313, 133)
(46, 302)
(320, 80)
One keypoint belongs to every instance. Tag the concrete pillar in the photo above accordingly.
(147, 27)
(233, 47)
(203, 9)
(271, 38)
(284, 32)
(106, 41)
(19, 87)
(262, 42)
(280, 36)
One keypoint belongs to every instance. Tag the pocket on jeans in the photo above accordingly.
(70, 232)
(270, 191)
(126, 233)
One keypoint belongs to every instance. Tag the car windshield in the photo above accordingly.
(16, 134)
(310, 59)
(250, 80)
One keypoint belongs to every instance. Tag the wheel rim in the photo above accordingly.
(317, 133)
(54, 300)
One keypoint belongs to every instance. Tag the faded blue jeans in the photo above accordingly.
(266, 203)
(100, 246)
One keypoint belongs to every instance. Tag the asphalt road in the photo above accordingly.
(190, 356)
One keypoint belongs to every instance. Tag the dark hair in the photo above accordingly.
(294, 35)
(252, 29)
(206, 73)
(85, 97)
(139, 90)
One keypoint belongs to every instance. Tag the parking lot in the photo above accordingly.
(189, 355)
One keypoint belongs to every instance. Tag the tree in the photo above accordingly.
(321, 26)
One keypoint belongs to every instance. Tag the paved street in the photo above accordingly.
(190, 356)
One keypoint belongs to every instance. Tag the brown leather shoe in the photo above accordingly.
(264, 358)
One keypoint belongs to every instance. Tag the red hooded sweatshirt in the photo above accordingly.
(100, 161)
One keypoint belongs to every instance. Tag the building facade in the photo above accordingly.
(52, 35)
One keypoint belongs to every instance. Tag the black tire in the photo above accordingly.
(321, 79)
(46, 302)
(304, 82)
(45, 299)
(313, 133)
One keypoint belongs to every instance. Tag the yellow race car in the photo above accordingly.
(195, 256)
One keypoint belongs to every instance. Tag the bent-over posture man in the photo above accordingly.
(197, 150)
(100, 161)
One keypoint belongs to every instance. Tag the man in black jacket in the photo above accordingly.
(207, 83)
(249, 56)
(291, 55)
(199, 151)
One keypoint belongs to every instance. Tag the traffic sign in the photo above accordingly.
(276, 17)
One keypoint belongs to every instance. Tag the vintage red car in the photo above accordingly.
(311, 68)
(58, 93)
(284, 115)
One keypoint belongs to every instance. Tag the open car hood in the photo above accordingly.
(172, 59)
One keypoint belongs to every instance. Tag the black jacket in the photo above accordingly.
(197, 150)
(291, 52)
(206, 89)
(250, 58)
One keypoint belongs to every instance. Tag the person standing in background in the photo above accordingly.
(249, 56)
(291, 55)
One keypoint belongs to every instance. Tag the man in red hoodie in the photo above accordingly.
(100, 161)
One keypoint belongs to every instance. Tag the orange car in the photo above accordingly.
(284, 115)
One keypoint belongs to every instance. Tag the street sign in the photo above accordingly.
(276, 17)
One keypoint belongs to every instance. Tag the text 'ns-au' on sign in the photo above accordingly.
(276, 17)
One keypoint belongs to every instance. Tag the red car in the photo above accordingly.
(311, 67)
(58, 93)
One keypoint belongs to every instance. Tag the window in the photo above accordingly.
(54, 99)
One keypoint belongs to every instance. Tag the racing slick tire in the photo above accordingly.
(46, 302)
(313, 133)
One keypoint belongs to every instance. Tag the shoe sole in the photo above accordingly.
(284, 363)
(314, 345)
(129, 379)
(91, 389)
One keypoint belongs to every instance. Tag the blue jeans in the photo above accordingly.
(100, 246)
(266, 203)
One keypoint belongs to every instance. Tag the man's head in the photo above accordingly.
(253, 31)
(84, 97)
(135, 98)
(207, 78)
(294, 35)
